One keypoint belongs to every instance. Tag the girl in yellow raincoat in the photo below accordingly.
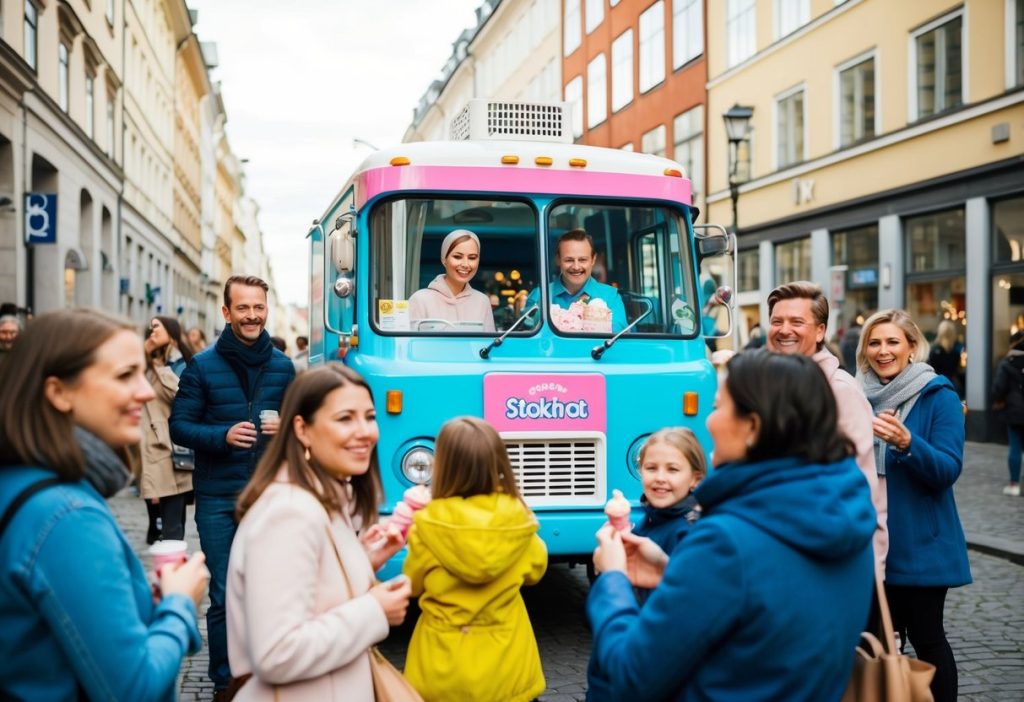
(470, 551)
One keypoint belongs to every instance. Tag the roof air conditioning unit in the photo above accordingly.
(493, 120)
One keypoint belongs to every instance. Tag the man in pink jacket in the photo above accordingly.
(798, 316)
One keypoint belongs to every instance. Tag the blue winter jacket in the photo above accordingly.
(926, 542)
(76, 610)
(210, 401)
(764, 599)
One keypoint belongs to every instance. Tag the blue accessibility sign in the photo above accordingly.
(40, 218)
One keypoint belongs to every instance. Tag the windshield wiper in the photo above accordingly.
(486, 351)
(598, 351)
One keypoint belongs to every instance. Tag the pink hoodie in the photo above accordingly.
(855, 417)
(436, 301)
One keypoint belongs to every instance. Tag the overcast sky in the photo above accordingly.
(301, 79)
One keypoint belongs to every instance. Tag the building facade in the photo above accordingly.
(511, 54)
(117, 183)
(884, 161)
(634, 72)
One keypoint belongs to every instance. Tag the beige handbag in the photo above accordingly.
(883, 674)
(389, 685)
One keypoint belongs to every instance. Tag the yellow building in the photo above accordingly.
(883, 161)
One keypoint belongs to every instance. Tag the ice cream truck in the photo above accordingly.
(574, 389)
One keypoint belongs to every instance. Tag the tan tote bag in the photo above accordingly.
(880, 672)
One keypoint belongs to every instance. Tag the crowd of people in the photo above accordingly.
(819, 481)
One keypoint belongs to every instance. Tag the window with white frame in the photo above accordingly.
(789, 135)
(688, 147)
(937, 68)
(110, 122)
(653, 142)
(90, 105)
(626, 147)
(622, 70)
(571, 30)
(594, 14)
(574, 96)
(62, 75)
(740, 30)
(687, 31)
(652, 46)
(856, 81)
(597, 91)
(31, 34)
(790, 15)
(110, 12)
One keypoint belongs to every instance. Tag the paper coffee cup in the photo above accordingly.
(268, 414)
(164, 552)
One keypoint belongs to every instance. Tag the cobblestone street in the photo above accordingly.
(985, 621)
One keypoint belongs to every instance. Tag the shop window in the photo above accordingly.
(857, 101)
(653, 142)
(793, 261)
(1007, 311)
(857, 250)
(935, 242)
(748, 270)
(1008, 231)
(789, 111)
(688, 149)
(937, 66)
(687, 31)
(622, 70)
(652, 46)
(740, 30)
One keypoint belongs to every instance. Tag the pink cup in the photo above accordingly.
(164, 552)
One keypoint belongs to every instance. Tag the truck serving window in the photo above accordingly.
(613, 265)
(477, 289)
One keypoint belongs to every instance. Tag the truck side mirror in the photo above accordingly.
(343, 246)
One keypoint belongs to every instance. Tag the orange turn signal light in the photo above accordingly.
(690, 404)
(394, 401)
(674, 172)
(510, 159)
(578, 162)
(543, 160)
(400, 161)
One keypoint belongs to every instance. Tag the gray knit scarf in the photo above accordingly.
(898, 394)
(103, 469)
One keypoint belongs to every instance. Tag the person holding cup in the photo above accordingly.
(302, 603)
(217, 413)
(77, 613)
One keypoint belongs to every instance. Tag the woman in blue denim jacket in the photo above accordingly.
(77, 613)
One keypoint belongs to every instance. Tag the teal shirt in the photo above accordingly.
(592, 289)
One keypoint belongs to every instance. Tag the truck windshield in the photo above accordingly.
(610, 265)
(616, 264)
(477, 286)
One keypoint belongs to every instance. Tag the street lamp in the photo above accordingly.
(737, 128)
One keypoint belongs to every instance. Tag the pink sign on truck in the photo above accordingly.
(542, 402)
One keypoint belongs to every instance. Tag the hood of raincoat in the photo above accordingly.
(477, 538)
(823, 510)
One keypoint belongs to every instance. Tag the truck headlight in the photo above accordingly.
(418, 465)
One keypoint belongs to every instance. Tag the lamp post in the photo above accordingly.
(737, 129)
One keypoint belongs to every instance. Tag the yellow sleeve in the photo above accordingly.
(536, 560)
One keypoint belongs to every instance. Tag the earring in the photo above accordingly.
(750, 442)
(307, 454)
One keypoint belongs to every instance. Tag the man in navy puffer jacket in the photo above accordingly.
(217, 414)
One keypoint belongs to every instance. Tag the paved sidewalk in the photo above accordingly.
(985, 620)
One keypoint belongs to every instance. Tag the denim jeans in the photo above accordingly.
(1013, 434)
(215, 521)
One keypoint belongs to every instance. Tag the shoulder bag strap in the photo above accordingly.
(22, 497)
(889, 634)
(337, 556)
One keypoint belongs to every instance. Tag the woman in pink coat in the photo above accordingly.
(449, 303)
(299, 622)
